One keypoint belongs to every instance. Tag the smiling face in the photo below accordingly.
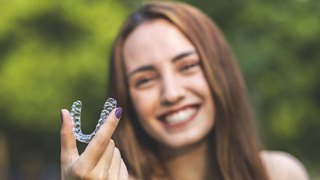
(167, 86)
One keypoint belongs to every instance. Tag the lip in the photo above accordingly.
(171, 126)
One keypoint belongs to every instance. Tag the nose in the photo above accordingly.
(172, 91)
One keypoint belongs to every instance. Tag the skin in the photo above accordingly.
(164, 76)
(100, 160)
(281, 165)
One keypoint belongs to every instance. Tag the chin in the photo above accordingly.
(187, 141)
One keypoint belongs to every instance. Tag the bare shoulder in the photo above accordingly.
(282, 165)
(131, 177)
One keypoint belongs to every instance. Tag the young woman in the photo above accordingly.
(186, 114)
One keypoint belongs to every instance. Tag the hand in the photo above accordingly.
(100, 160)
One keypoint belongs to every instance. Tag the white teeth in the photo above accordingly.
(180, 116)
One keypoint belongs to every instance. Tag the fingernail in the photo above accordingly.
(118, 112)
(61, 118)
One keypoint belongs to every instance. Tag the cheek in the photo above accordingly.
(200, 85)
(144, 103)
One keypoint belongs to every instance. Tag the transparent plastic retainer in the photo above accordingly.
(109, 105)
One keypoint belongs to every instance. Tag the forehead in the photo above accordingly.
(154, 41)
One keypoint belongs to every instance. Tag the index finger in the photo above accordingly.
(98, 144)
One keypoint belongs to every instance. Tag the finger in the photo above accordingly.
(124, 175)
(114, 170)
(97, 146)
(106, 159)
(68, 142)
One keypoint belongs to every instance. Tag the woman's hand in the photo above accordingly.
(100, 160)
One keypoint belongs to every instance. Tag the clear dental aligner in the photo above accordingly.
(109, 105)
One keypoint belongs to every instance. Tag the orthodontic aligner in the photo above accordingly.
(109, 105)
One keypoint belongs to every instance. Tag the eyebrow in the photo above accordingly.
(182, 55)
(141, 68)
(150, 67)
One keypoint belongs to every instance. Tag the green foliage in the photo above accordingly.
(277, 44)
(53, 52)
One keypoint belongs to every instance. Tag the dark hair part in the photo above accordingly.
(235, 148)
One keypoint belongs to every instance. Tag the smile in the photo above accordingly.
(180, 117)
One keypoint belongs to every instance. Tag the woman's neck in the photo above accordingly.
(187, 163)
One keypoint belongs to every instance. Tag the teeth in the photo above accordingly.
(180, 116)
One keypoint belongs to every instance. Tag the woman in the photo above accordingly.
(186, 112)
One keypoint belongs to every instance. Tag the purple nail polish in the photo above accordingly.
(118, 112)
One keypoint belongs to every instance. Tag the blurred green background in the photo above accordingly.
(55, 52)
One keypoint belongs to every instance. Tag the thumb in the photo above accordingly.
(68, 142)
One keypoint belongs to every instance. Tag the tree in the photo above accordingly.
(51, 54)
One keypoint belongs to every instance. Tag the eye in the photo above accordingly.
(189, 66)
(143, 82)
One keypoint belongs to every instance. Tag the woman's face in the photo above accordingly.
(168, 89)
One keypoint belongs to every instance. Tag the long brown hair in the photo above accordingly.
(234, 144)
